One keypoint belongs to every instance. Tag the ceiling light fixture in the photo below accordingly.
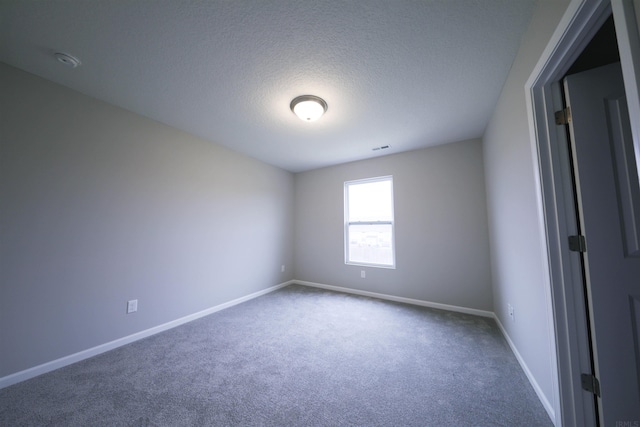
(66, 59)
(308, 107)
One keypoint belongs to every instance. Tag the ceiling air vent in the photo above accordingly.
(384, 147)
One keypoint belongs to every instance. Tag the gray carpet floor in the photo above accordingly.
(296, 357)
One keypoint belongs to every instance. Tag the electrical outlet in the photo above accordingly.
(510, 307)
(282, 268)
(363, 274)
(132, 306)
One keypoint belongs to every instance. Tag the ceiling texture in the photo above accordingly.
(408, 74)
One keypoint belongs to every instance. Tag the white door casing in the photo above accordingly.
(609, 210)
(578, 25)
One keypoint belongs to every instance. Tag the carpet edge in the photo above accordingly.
(466, 310)
(536, 387)
(52, 365)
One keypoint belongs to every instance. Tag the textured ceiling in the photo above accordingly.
(408, 74)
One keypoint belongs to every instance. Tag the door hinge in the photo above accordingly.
(577, 244)
(590, 383)
(563, 117)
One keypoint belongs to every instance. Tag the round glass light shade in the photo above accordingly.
(308, 107)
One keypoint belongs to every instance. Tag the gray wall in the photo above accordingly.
(100, 206)
(514, 220)
(442, 250)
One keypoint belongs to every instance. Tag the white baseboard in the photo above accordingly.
(543, 399)
(85, 354)
(422, 303)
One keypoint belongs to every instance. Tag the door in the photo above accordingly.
(609, 213)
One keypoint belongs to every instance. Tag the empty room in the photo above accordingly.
(319, 213)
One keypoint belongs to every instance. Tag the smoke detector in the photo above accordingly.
(66, 59)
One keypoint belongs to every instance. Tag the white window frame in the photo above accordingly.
(348, 223)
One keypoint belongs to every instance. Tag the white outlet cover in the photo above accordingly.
(363, 274)
(132, 306)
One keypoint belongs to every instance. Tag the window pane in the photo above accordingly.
(370, 201)
(370, 244)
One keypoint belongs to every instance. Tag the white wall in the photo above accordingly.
(514, 223)
(442, 251)
(99, 206)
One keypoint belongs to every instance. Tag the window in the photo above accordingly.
(368, 218)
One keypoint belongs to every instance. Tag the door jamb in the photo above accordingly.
(567, 311)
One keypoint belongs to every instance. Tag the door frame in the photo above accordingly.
(555, 198)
